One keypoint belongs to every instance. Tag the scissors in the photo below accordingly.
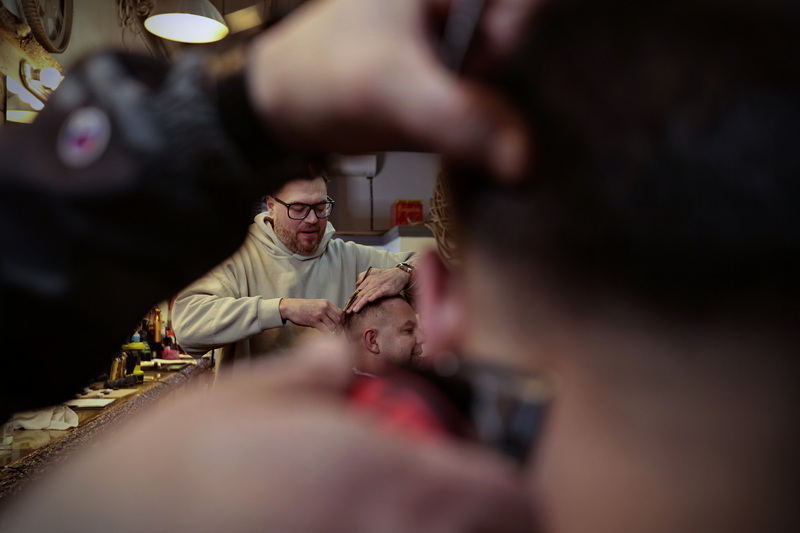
(355, 292)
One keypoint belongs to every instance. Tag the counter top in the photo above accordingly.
(386, 239)
(34, 452)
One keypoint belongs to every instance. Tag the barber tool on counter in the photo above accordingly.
(156, 335)
(126, 369)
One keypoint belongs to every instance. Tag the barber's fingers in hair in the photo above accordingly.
(363, 297)
(355, 306)
(378, 287)
(383, 282)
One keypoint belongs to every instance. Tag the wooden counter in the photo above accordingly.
(35, 452)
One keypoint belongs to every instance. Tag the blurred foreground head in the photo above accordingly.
(649, 263)
(667, 166)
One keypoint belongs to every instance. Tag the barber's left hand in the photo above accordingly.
(380, 283)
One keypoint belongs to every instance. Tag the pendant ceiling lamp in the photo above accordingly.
(187, 21)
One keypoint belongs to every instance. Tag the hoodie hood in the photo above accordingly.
(261, 230)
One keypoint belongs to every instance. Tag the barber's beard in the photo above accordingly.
(292, 242)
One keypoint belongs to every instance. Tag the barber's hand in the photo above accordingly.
(380, 283)
(319, 314)
(362, 75)
(274, 449)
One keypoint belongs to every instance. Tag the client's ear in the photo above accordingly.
(371, 341)
(440, 303)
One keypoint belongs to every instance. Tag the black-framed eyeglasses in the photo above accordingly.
(299, 211)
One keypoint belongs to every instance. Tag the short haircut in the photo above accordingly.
(666, 160)
(353, 322)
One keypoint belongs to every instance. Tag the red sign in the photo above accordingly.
(405, 212)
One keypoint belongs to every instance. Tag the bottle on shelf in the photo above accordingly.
(156, 344)
(171, 330)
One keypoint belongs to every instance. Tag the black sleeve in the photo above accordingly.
(127, 187)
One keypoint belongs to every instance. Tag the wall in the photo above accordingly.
(95, 26)
(401, 175)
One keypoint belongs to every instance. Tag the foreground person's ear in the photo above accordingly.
(440, 304)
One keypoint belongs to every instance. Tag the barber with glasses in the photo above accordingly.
(289, 278)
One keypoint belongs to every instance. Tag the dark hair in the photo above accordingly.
(667, 156)
(313, 175)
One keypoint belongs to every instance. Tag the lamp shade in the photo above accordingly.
(187, 21)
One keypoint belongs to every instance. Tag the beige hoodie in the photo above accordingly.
(235, 305)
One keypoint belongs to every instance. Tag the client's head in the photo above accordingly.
(648, 262)
(384, 331)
